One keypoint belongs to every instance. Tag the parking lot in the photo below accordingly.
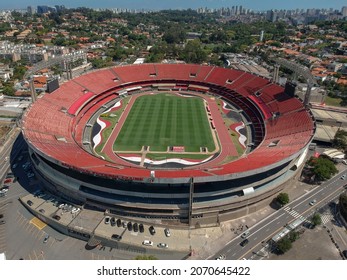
(24, 236)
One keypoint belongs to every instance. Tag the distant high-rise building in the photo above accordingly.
(237, 10)
(59, 8)
(261, 36)
(42, 9)
(344, 11)
(31, 10)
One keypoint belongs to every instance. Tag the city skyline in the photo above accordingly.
(181, 4)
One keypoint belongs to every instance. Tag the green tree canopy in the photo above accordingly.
(283, 198)
(293, 235)
(340, 140)
(284, 245)
(193, 52)
(316, 219)
(323, 168)
(8, 89)
(145, 257)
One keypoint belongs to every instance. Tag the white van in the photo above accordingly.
(147, 243)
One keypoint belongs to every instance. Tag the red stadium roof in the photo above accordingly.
(79, 103)
(55, 132)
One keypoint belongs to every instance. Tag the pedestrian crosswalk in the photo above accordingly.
(293, 212)
(326, 216)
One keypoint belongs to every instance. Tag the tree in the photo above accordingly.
(284, 245)
(283, 198)
(340, 140)
(193, 52)
(323, 168)
(293, 235)
(8, 89)
(145, 257)
(316, 219)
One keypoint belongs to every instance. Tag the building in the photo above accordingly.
(344, 11)
(274, 129)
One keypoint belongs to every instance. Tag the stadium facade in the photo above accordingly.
(59, 128)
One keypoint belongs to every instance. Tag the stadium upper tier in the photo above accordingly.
(282, 127)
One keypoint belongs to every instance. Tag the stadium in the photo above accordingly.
(187, 145)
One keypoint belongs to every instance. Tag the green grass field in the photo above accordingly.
(164, 120)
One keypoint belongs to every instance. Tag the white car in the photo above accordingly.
(167, 232)
(61, 206)
(75, 210)
(162, 245)
(46, 238)
(313, 202)
(221, 257)
(147, 243)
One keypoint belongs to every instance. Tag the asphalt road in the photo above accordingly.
(260, 233)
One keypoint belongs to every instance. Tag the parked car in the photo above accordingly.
(113, 221)
(119, 222)
(162, 245)
(151, 230)
(75, 210)
(4, 188)
(147, 243)
(56, 217)
(30, 203)
(42, 211)
(345, 254)
(46, 238)
(167, 232)
(2, 222)
(136, 227)
(8, 180)
(141, 228)
(130, 226)
(107, 220)
(116, 237)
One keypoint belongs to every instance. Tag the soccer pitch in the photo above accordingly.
(163, 120)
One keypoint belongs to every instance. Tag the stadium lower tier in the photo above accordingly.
(195, 203)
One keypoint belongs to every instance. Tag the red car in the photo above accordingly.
(8, 180)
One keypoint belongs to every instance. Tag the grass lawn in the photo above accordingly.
(163, 120)
(330, 101)
(183, 156)
(113, 118)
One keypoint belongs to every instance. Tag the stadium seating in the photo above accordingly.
(51, 130)
(98, 81)
(219, 76)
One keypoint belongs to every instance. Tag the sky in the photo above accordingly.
(258, 5)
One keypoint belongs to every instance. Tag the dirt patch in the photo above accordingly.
(313, 244)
